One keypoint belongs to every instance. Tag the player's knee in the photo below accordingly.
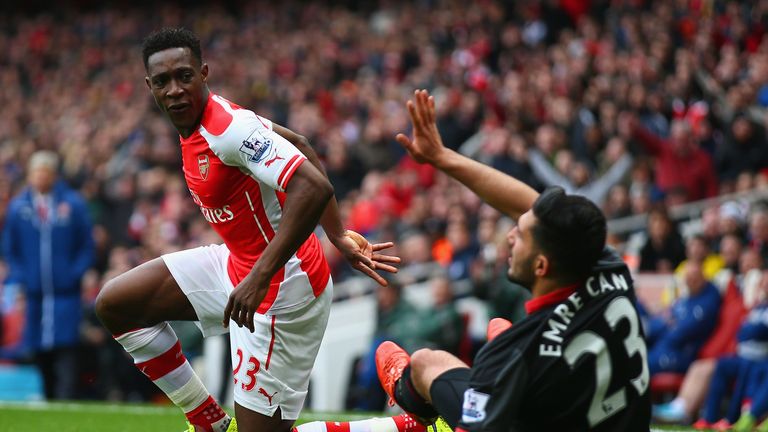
(106, 304)
(421, 359)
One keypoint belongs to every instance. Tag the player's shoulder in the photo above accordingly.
(223, 117)
(230, 130)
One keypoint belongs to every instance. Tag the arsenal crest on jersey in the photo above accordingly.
(204, 165)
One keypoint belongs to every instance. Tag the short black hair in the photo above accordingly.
(570, 230)
(171, 37)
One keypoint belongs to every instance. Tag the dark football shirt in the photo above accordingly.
(577, 362)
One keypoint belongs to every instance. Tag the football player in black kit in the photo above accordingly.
(577, 362)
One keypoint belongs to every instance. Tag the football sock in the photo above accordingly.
(410, 400)
(400, 423)
(157, 354)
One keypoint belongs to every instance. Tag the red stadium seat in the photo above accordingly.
(664, 383)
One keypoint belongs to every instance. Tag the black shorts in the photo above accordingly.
(447, 393)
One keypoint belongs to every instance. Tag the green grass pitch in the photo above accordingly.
(86, 417)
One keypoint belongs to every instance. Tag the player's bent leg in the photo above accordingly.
(142, 297)
(134, 307)
(447, 394)
(427, 365)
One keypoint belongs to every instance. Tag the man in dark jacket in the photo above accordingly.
(48, 246)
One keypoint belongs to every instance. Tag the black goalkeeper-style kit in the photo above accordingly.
(578, 362)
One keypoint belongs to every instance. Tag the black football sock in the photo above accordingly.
(410, 400)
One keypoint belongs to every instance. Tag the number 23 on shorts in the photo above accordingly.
(249, 380)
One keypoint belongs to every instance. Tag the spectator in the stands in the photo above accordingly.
(745, 150)
(697, 249)
(732, 218)
(463, 250)
(441, 325)
(416, 253)
(758, 231)
(731, 246)
(680, 163)
(579, 178)
(664, 249)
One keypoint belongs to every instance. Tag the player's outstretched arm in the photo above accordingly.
(507, 194)
(360, 254)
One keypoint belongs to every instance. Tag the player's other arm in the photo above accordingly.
(505, 193)
(361, 257)
(306, 197)
(330, 219)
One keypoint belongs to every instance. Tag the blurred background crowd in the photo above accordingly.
(655, 110)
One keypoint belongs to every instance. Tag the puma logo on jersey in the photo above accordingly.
(273, 160)
(267, 395)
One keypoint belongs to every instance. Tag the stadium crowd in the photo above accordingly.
(640, 105)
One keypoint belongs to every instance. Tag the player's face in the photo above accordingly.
(177, 82)
(522, 252)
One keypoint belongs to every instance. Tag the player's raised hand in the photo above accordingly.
(426, 146)
(364, 256)
(244, 300)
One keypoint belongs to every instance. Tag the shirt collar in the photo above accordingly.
(549, 299)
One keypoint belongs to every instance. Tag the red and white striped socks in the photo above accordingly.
(399, 423)
(157, 354)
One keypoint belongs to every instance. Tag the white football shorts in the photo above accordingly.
(272, 365)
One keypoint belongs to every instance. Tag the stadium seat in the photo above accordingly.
(665, 383)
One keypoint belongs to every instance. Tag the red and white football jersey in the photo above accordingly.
(237, 169)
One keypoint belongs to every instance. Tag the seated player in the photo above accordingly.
(577, 362)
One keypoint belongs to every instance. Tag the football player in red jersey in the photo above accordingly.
(270, 278)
